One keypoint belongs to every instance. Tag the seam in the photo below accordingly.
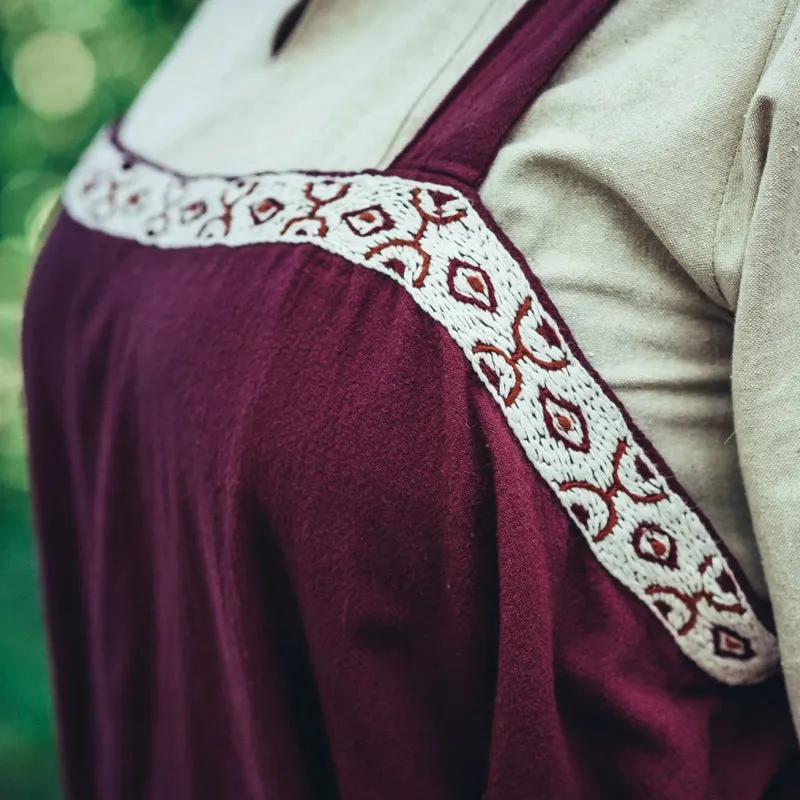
(726, 192)
(387, 156)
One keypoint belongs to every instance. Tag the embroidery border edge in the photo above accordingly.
(432, 239)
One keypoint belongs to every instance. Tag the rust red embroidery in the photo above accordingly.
(434, 208)
(135, 200)
(193, 212)
(111, 195)
(729, 644)
(686, 612)
(543, 348)
(608, 495)
(320, 194)
(471, 284)
(264, 210)
(565, 421)
(435, 244)
(652, 543)
(690, 603)
(220, 225)
(368, 221)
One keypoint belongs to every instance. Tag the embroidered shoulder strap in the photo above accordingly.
(439, 245)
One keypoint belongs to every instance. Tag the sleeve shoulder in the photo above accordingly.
(761, 280)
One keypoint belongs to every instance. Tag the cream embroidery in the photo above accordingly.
(431, 240)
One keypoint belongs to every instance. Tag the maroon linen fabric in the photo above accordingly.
(292, 549)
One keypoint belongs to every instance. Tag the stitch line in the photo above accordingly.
(431, 240)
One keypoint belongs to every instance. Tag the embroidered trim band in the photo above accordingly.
(431, 240)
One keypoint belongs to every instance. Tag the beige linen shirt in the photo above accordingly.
(654, 187)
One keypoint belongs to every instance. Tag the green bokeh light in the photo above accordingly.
(76, 16)
(54, 73)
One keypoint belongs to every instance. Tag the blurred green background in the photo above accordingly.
(68, 66)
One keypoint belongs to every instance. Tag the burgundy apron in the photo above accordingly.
(331, 505)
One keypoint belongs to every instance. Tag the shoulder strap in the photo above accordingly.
(463, 135)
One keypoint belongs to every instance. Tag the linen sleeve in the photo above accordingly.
(758, 250)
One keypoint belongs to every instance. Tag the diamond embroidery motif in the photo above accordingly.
(729, 644)
(564, 421)
(652, 543)
(368, 221)
(265, 210)
(193, 211)
(433, 241)
(471, 284)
